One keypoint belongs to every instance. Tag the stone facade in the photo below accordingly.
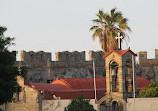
(67, 65)
(59, 105)
(27, 100)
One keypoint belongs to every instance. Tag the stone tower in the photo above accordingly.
(119, 79)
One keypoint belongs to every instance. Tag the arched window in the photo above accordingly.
(114, 71)
(114, 106)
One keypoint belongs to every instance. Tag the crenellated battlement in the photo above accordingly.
(144, 61)
(63, 58)
(67, 65)
(67, 56)
(32, 57)
(74, 65)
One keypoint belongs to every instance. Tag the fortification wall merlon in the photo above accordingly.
(63, 59)
(97, 57)
(144, 61)
(142, 55)
(156, 53)
(67, 56)
(35, 57)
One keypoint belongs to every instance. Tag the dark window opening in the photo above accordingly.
(114, 106)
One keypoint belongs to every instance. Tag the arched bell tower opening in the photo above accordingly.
(114, 75)
(115, 106)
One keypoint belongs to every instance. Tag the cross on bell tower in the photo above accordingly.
(119, 37)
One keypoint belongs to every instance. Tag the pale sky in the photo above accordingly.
(59, 25)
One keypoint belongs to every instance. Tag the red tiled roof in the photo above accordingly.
(70, 95)
(82, 83)
(141, 83)
(47, 87)
(81, 86)
(69, 88)
(119, 52)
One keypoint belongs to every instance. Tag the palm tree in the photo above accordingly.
(107, 27)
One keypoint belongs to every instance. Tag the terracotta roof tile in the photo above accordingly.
(48, 87)
(119, 52)
(82, 83)
(69, 88)
(141, 83)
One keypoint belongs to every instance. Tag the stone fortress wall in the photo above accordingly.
(74, 65)
(148, 67)
(67, 65)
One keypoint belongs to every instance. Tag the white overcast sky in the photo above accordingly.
(58, 25)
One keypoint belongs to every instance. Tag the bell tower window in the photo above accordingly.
(114, 71)
(114, 106)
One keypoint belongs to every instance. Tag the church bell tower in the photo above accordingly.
(119, 77)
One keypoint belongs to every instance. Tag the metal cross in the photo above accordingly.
(119, 37)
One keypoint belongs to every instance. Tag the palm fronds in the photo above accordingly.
(108, 26)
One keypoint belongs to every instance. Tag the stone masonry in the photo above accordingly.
(74, 65)
(67, 65)
(29, 99)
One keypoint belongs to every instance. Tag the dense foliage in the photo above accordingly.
(79, 104)
(108, 26)
(150, 91)
(8, 70)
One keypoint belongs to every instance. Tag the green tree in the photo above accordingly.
(79, 104)
(108, 26)
(8, 70)
(150, 91)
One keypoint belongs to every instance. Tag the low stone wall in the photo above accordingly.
(142, 104)
(28, 99)
(59, 105)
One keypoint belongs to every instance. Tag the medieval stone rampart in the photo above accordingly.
(74, 65)
(148, 67)
(67, 65)
(31, 57)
